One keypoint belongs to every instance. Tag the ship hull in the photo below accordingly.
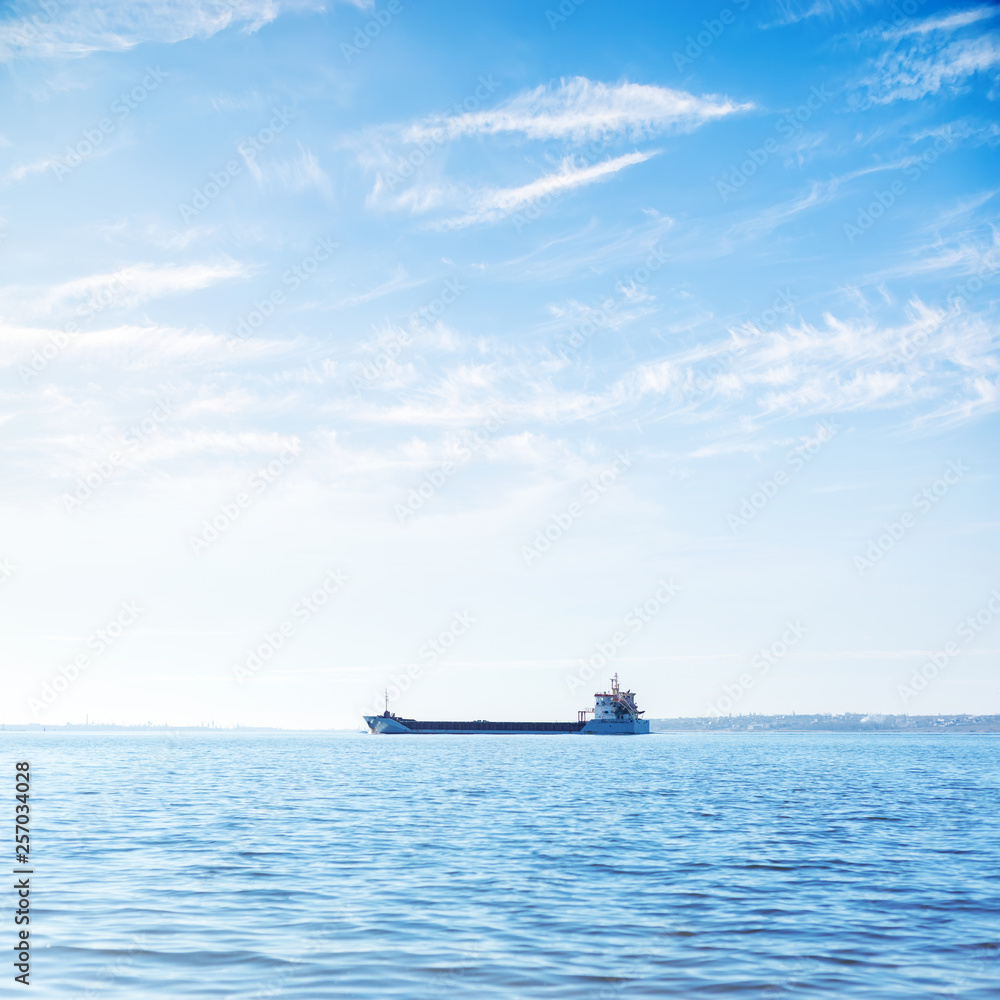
(381, 724)
(630, 727)
(392, 725)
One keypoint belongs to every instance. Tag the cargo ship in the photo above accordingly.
(615, 713)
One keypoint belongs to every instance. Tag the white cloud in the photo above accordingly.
(397, 282)
(576, 110)
(763, 222)
(981, 396)
(137, 347)
(23, 170)
(942, 362)
(908, 77)
(86, 298)
(580, 109)
(80, 28)
(923, 61)
(295, 175)
(820, 193)
(498, 203)
(947, 22)
(146, 281)
(132, 284)
(791, 12)
(80, 452)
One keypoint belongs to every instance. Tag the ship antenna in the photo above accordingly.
(387, 699)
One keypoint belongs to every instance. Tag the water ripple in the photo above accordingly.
(222, 865)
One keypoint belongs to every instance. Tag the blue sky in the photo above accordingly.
(427, 345)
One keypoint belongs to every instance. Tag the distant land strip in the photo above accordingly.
(850, 722)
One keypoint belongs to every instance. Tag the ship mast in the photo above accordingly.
(625, 701)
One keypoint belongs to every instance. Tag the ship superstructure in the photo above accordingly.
(614, 714)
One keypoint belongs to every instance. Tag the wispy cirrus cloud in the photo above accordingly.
(581, 109)
(67, 28)
(80, 28)
(946, 22)
(22, 170)
(573, 111)
(498, 203)
(146, 281)
(820, 193)
(399, 281)
(930, 370)
(924, 58)
(295, 175)
(132, 284)
(793, 11)
(940, 364)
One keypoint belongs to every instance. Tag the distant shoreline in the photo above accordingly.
(37, 727)
(846, 723)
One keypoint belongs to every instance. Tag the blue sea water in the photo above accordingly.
(313, 865)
